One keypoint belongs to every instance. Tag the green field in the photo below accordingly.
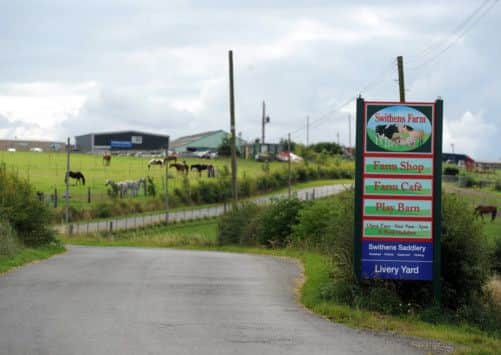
(396, 147)
(46, 172)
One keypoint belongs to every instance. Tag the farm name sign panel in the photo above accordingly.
(397, 189)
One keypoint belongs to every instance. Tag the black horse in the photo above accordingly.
(202, 167)
(77, 175)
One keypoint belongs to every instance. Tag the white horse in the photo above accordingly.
(159, 162)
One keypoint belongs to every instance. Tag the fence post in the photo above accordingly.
(88, 195)
(111, 226)
(55, 197)
(313, 194)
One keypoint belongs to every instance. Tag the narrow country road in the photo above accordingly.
(139, 221)
(162, 301)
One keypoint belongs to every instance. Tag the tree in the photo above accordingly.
(224, 149)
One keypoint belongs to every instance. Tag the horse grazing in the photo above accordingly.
(481, 210)
(172, 157)
(158, 162)
(180, 168)
(202, 167)
(106, 159)
(77, 175)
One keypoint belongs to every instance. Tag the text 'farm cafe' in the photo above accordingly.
(398, 194)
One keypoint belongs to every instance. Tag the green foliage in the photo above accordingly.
(330, 148)
(21, 208)
(276, 221)
(465, 255)
(496, 259)
(9, 243)
(451, 170)
(232, 224)
(151, 189)
(224, 149)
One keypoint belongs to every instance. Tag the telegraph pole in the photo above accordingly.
(67, 195)
(401, 84)
(307, 130)
(234, 189)
(166, 186)
(263, 122)
(289, 165)
(349, 130)
(337, 134)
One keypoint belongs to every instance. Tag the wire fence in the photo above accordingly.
(145, 220)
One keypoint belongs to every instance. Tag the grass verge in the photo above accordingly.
(27, 255)
(317, 270)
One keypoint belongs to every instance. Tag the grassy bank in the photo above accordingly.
(27, 255)
(317, 272)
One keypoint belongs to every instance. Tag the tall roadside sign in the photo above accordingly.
(398, 190)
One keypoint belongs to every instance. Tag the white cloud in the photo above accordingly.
(472, 134)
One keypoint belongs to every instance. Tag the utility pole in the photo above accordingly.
(67, 181)
(263, 119)
(234, 189)
(289, 164)
(307, 130)
(401, 84)
(452, 147)
(337, 134)
(166, 186)
(349, 130)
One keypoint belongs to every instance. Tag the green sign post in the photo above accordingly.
(398, 191)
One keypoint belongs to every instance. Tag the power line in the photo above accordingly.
(429, 50)
(459, 36)
(370, 85)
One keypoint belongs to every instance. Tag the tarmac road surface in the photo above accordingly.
(163, 301)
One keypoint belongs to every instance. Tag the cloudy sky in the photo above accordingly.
(69, 68)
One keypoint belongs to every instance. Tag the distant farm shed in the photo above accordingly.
(205, 141)
(24, 145)
(121, 141)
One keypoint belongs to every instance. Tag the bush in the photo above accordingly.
(314, 225)
(465, 255)
(275, 228)
(9, 242)
(496, 260)
(232, 224)
(21, 208)
(451, 170)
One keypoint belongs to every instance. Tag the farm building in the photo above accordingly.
(458, 159)
(121, 141)
(205, 141)
(31, 145)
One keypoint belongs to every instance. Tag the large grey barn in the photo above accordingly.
(121, 141)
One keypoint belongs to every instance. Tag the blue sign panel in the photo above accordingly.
(121, 144)
(397, 260)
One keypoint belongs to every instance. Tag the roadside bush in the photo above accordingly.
(9, 242)
(451, 170)
(465, 255)
(232, 224)
(101, 210)
(21, 208)
(496, 259)
(276, 222)
(314, 226)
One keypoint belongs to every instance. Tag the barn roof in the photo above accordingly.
(182, 141)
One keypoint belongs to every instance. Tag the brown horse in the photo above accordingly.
(170, 158)
(181, 168)
(481, 210)
(106, 159)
